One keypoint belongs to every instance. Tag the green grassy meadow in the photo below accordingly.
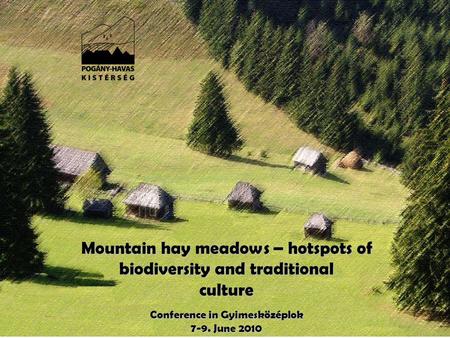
(344, 304)
(139, 128)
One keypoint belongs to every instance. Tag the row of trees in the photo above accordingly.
(28, 180)
(421, 251)
(371, 66)
(369, 74)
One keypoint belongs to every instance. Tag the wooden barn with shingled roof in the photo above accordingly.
(150, 201)
(98, 208)
(245, 196)
(73, 162)
(310, 160)
(319, 226)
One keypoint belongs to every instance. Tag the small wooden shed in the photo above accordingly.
(100, 208)
(72, 163)
(319, 226)
(150, 201)
(352, 160)
(310, 160)
(245, 196)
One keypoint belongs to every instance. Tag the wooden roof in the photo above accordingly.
(245, 193)
(149, 196)
(74, 161)
(307, 156)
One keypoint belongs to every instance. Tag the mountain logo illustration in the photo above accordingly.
(109, 44)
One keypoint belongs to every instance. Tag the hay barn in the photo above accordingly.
(310, 160)
(98, 208)
(150, 201)
(319, 226)
(72, 163)
(352, 160)
(245, 196)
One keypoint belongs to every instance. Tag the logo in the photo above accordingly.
(108, 51)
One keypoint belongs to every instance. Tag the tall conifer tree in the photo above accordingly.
(270, 51)
(45, 191)
(247, 44)
(25, 116)
(287, 75)
(212, 131)
(423, 143)
(421, 252)
(19, 253)
(192, 9)
(250, 70)
(218, 23)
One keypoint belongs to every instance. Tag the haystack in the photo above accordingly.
(352, 160)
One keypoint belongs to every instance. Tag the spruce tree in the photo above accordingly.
(309, 108)
(270, 50)
(212, 131)
(421, 147)
(412, 103)
(421, 252)
(218, 25)
(25, 118)
(287, 79)
(192, 10)
(45, 191)
(19, 253)
(249, 69)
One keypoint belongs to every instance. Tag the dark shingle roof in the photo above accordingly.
(73, 161)
(318, 221)
(95, 205)
(245, 193)
(149, 196)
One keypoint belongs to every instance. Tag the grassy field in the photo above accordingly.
(98, 301)
(139, 127)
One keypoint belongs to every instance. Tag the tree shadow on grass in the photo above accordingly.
(236, 158)
(333, 177)
(69, 277)
(365, 169)
(337, 240)
(77, 217)
(269, 211)
(263, 211)
(176, 220)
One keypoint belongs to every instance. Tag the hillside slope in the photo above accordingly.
(58, 25)
(140, 125)
(161, 99)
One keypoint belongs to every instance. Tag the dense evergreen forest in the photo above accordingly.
(357, 74)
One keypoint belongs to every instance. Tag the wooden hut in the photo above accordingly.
(72, 163)
(352, 160)
(245, 196)
(100, 208)
(150, 201)
(319, 226)
(310, 160)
